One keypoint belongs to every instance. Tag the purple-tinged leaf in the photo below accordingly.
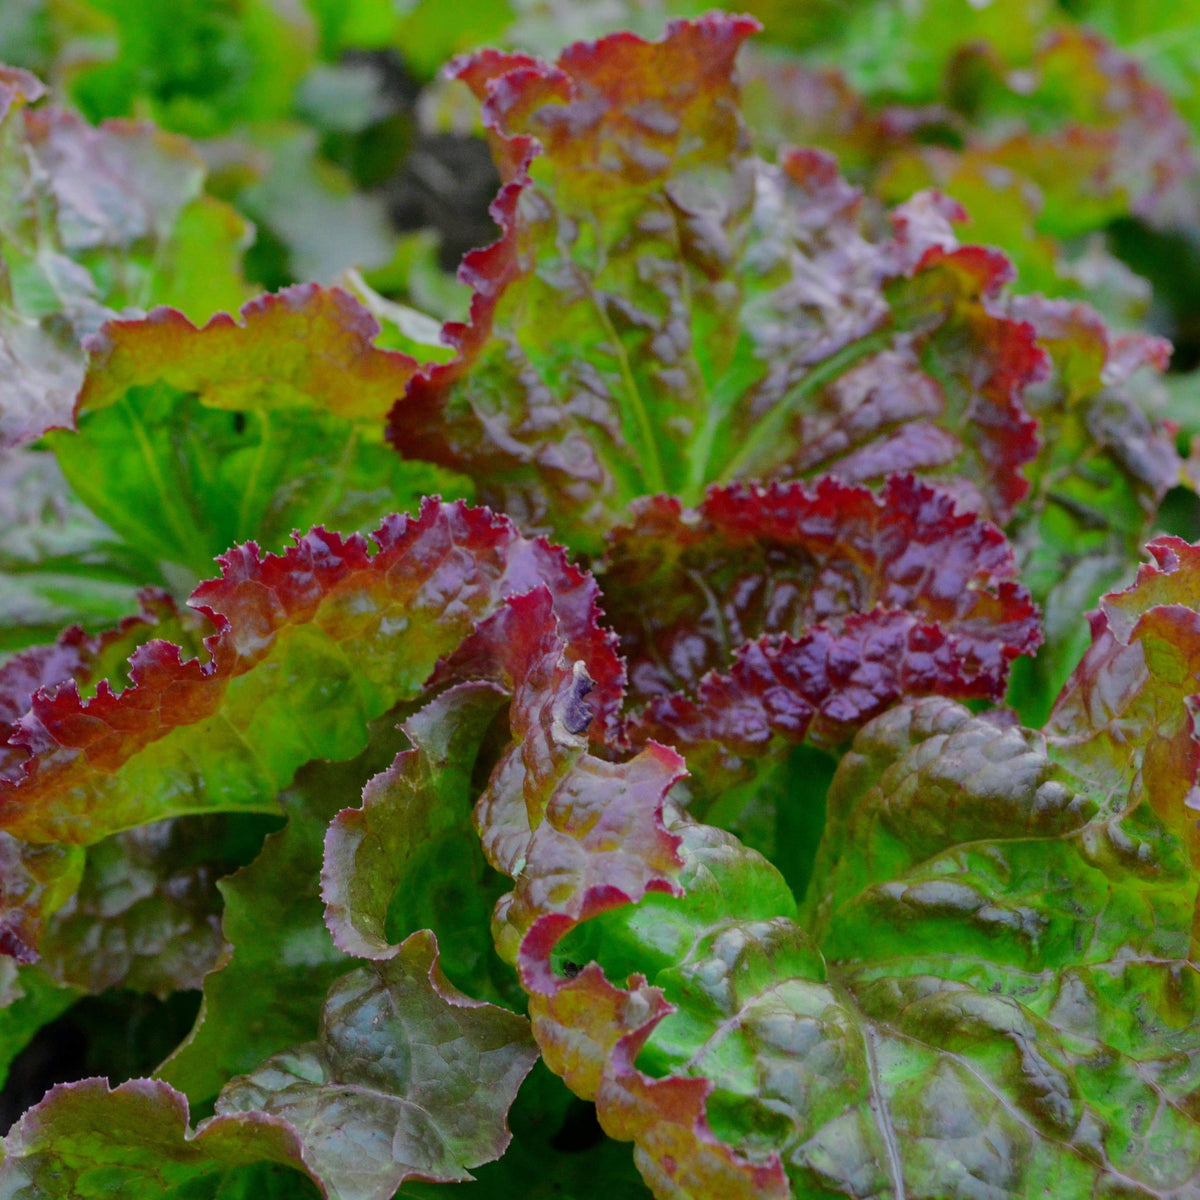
(304, 347)
(366, 627)
(88, 1141)
(37, 879)
(665, 310)
(409, 1078)
(96, 220)
(768, 615)
(1128, 711)
(581, 836)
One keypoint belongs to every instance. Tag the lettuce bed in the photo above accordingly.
(679, 724)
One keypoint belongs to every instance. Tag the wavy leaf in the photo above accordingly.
(666, 310)
(96, 221)
(190, 440)
(408, 858)
(364, 628)
(416, 1078)
(408, 1077)
(1106, 463)
(768, 615)
(580, 835)
(989, 984)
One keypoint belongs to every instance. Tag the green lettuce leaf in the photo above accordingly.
(279, 958)
(408, 858)
(990, 982)
(408, 1077)
(191, 440)
(197, 68)
(60, 565)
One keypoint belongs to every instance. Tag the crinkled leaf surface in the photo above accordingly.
(664, 309)
(989, 984)
(139, 911)
(146, 914)
(89, 1141)
(768, 615)
(408, 1077)
(1105, 465)
(962, 1006)
(1129, 707)
(579, 835)
(351, 632)
(190, 440)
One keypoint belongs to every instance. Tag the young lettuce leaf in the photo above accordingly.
(191, 440)
(665, 309)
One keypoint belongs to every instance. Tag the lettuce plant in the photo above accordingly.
(653, 782)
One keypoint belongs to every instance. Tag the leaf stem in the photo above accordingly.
(770, 428)
(645, 441)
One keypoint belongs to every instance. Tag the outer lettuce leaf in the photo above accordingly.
(279, 961)
(357, 632)
(140, 910)
(557, 1150)
(134, 1139)
(408, 1077)
(192, 440)
(146, 914)
(581, 835)
(990, 984)
(780, 613)
(664, 309)
(38, 879)
(1128, 709)
(95, 220)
